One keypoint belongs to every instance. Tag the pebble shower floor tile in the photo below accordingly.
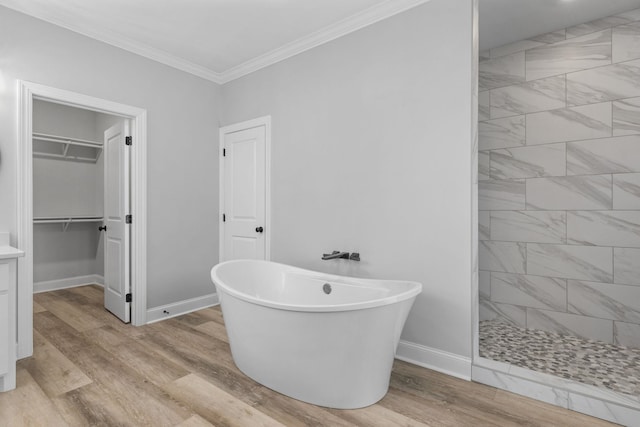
(590, 362)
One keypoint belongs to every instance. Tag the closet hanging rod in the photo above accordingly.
(67, 220)
(66, 140)
(62, 156)
(53, 219)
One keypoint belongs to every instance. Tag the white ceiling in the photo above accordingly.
(224, 39)
(215, 39)
(507, 21)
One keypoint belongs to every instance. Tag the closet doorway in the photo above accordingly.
(82, 193)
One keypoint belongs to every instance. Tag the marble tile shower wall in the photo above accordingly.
(559, 181)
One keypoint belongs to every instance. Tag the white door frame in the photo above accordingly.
(260, 121)
(29, 91)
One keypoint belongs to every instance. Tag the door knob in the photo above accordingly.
(259, 229)
(102, 228)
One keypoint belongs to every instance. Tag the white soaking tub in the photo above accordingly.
(323, 339)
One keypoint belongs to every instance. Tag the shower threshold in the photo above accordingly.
(595, 363)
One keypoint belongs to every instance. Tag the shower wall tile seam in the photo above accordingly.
(614, 103)
(568, 74)
(628, 285)
(567, 104)
(564, 73)
(556, 277)
(557, 142)
(569, 36)
(613, 321)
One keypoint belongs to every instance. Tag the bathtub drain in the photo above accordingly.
(326, 288)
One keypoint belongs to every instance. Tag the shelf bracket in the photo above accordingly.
(65, 149)
(98, 153)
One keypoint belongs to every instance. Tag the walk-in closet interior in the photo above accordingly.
(68, 195)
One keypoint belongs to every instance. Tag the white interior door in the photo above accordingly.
(244, 187)
(116, 208)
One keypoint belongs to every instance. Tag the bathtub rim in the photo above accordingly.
(414, 290)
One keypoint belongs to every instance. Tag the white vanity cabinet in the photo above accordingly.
(4, 318)
(8, 276)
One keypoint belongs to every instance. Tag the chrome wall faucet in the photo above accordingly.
(342, 255)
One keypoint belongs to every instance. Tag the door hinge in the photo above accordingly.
(128, 140)
(127, 298)
(128, 219)
(224, 152)
(224, 218)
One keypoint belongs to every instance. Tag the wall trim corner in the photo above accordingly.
(179, 308)
(432, 358)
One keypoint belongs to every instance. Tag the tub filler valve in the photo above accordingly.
(342, 255)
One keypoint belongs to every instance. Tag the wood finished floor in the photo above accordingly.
(90, 369)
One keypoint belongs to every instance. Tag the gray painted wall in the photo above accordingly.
(560, 181)
(371, 153)
(183, 113)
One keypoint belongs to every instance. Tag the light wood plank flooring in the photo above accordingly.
(90, 369)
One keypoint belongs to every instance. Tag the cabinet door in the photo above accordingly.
(4, 331)
(4, 278)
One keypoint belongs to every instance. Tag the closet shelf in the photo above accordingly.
(66, 143)
(66, 220)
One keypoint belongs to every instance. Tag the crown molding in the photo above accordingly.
(113, 39)
(348, 25)
(341, 28)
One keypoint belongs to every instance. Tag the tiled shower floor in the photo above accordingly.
(591, 362)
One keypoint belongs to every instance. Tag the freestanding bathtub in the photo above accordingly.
(323, 339)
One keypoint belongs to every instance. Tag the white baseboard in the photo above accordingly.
(437, 360)
(70, 282)
(181, 307)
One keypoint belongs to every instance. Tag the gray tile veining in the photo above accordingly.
(529, 162)
(569, 124)
(529, 291)
(626, 42)
(529, 226)
(578, 53)
(564, 356)
(570, 261)
(632, 15)
(626, 334)
(605, 409)
(596, 25)
(604, 300)
(503, 71)
(483, 55)
(483, 165)
(604, 228)
(518, 46)
(506, 381)
(503, 313)
(530, 97)
(484, 225)
(618, 154)
(569, 193)
(508, 257)
(484, 106)
(626, 266)
(552, 37)
(484, 284)
(570, 324)
(501, 194)
(626, 116)
(501, 133)
(626, 191)
(617, 81)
